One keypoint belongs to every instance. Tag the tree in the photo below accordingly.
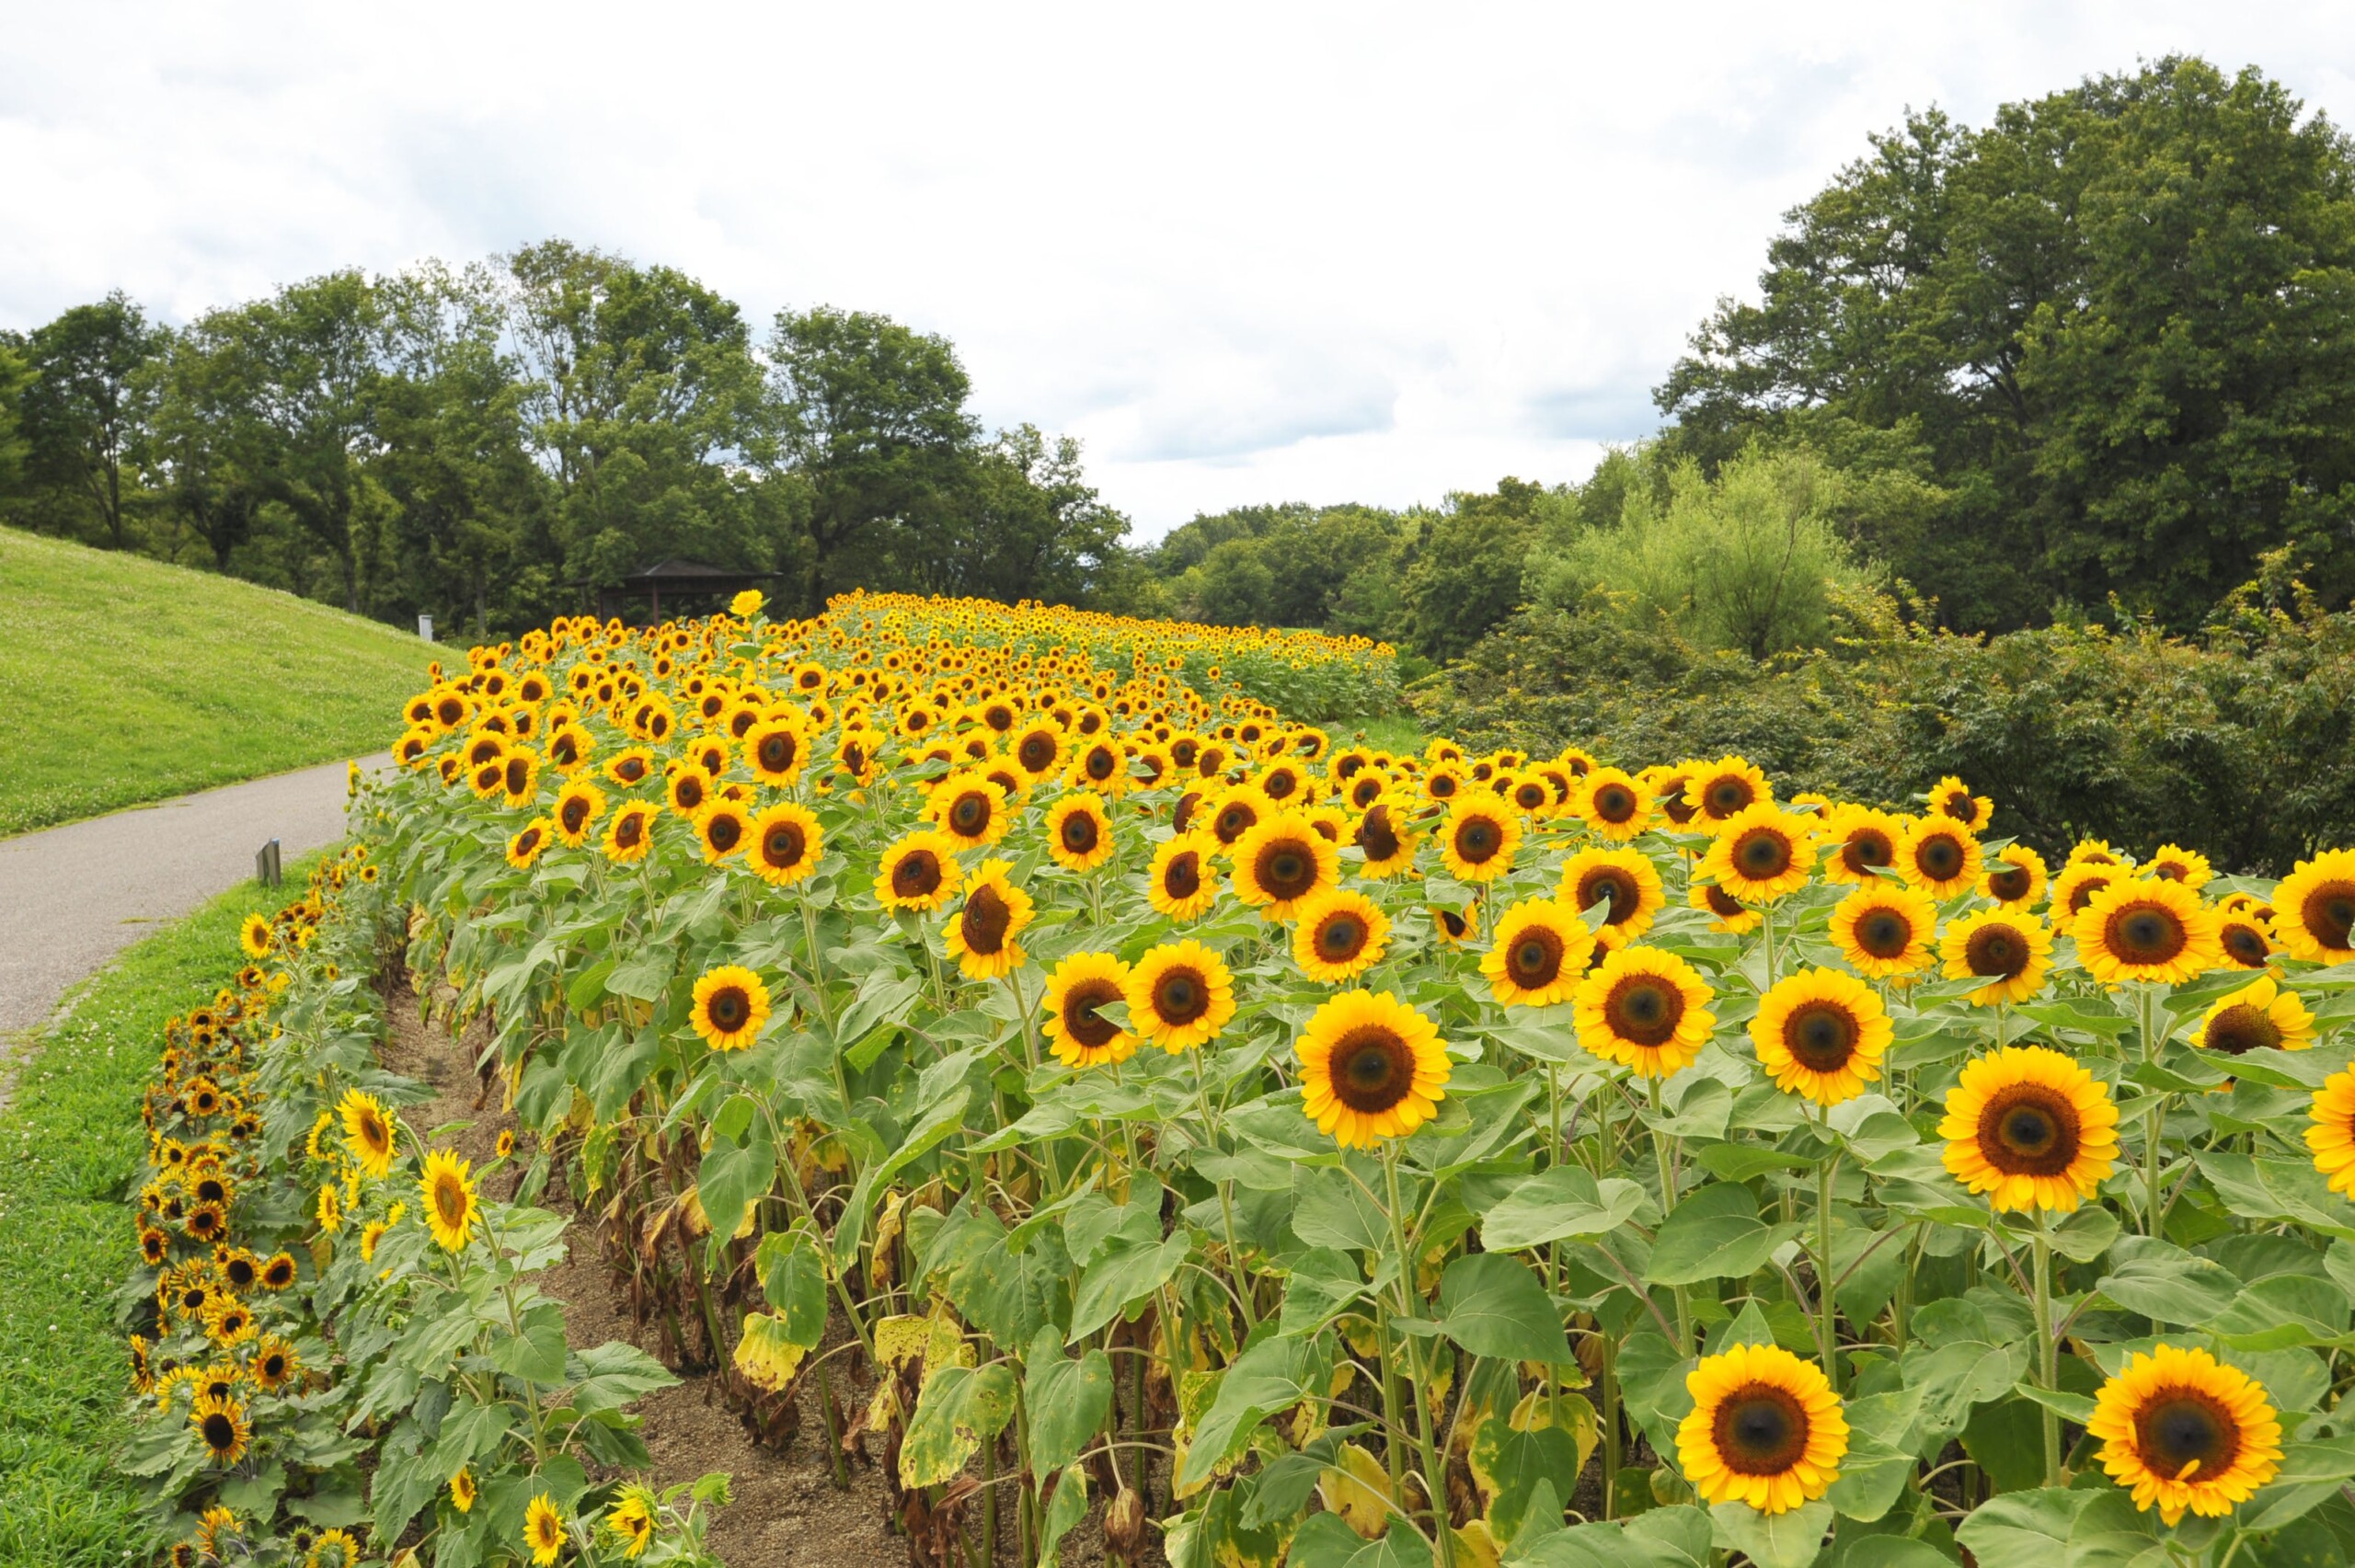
(2119, 323)
(869, 416)
(208, 445)
(1465, 579)
(86, 403)
(1033, 526)
(12, 376)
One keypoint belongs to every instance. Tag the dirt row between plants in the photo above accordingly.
(785, 1510)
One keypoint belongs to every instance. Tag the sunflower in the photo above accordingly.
(578, 806)
(730, 1004)
(543, 1529)
(2078, 884)
(570, 748)
(1236, 810)
(1038, 749)
(1644, 1009)
(1079, 835)
(463, 1490)
(630, 833)
(2332, 1135)
(2260, 1015)
(980, 937)
(1821, 1034)
(2313, 907)
(1625, 880)
(1282, 862)
(2014, 877)
(275, 1363)
(1727, 913)
(1612, 804)
(1952, 798)
(1456, 928)
(784, 843)
(1479, 840)
(1765, 1429)
(2246, 937)
(631, 767)
(229, 1323)
(278, 1271)
(919, 873)
(971, 807)
(722, 828)
(1715, 793)
(367, 1132)
(1386, 835)
(1341, 934)
(529, 841)
(221, 1425)
(1539, 951)
(1939, 855)
(2173, 862)
(630, 1521)
(2140, 930)
(1180, 995)
(2186, 1433)
(1445, 783)
(1079, 1035)
(2030, 1128)
(1884, 929)
(1371, 1068)
(253, 935)
(1759, 853)
(2008, 948)
(776, 750)
(1183, 884)
(450, 1206)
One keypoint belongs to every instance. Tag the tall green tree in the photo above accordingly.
(1030, 526)
(85, 408)
(1465, 579)
(2117, 323)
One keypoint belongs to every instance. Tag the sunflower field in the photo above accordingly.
(1120, 1099)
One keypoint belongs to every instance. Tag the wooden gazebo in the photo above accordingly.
(686, 583)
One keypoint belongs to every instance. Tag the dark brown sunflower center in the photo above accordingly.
(629, 769)
(1885, 932)
(983, 921)
(2246, 944)
(1184, 752)
(1182, 878)
(220, 1432)
(273, 1366)
(1364, 791)
(1180, 996)
(1996, 953)
(2187, 1434)
(1279, 784)
(575, 813)
(689, 792)
(1614, 803)
(916, 875)
(1763, 854)
(969, 814)
(1722, 904)
(2329, 913)
(728, 1008)
(2085, 892)
(1454, 924)
(784, 845)
(2240, 1028)
(210, 1189)
(1444, 786)
(2011, 884)
(1082, 1022)
(519, 775)
(1340, 936)
(1759, 1430)
(1373, 1068)
(1960, 806)
(724, 831)
(1614, 885)
(1285, 868)
(777, 752)
(1477, 840)
(1529, 796)
(1102, 762)
(1375, 835)
(449, 1201)
(1822, 1035)
(1233, 822)
(1645, 1009)
(1534, 960)
(2027, 1129)
(1080, 835)
(1939, 857)
(2144, 933)
(1727, 795)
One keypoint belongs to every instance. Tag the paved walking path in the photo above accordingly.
(73, 897)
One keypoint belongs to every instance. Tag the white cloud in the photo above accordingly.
(1249, 252)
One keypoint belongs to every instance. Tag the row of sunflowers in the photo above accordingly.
(1110, 1095)
(339, 1349)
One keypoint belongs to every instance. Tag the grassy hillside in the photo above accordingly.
(124, 680)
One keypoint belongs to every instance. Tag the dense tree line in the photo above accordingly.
(469, 442)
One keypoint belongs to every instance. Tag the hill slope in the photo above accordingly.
(124, 680)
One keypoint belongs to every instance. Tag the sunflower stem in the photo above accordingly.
(2047, 1353)
(1667, 1162)
(1827, 1332)
(1434, 1473)
(1243, 1283)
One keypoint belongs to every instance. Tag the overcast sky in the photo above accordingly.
(1254, 253)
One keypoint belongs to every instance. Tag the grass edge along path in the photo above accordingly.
(71, 1141)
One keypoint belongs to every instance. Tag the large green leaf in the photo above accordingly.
(1715, 1233)
(1557, 1205)
(961, 1408)
(1492, 1305)
(1265, 1379)
(793, 1278)
(1664, 1538)
(1332, 1211)
(535, 1353)
(609, 1375)
(735, 1175)
(1065, 1400)
(2165, 1284)
(2023, 1530)
(1125, 1274)
(1790, 1540)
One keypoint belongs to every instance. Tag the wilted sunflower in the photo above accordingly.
(1180, 995)
(783, 843)
(1182, 883)
(1341, 934)
(2184, 1431)
(1079, 835)
(2314, 908)
(1884, 929)
(1940, 856)
(919, 873)
(2014, 877)
(1479, 839)
(1371, 1068)
(578, 806)
(221, 1425)
(1715, 793)
(2008, 948)
(1765, 1429)
(1613, 804)
(448, 1191)
(2030, 1128)
(2140, 929)
(723, 829)
(1625, 879)
(1281, 863)
(630, 831)
(1386, 833)
(1538, 954)
(528, 841)
(543, 1529)
(2261, 1015)
(1646, 1009)
(981, 936)
(1952, 798)
(731, 1003)
(1821, 1034)
(1078, 1035)
(367, 1132)
(254, 936)
(1759, 853)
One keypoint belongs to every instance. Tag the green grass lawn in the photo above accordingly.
(70, 1147)
(127, 680)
